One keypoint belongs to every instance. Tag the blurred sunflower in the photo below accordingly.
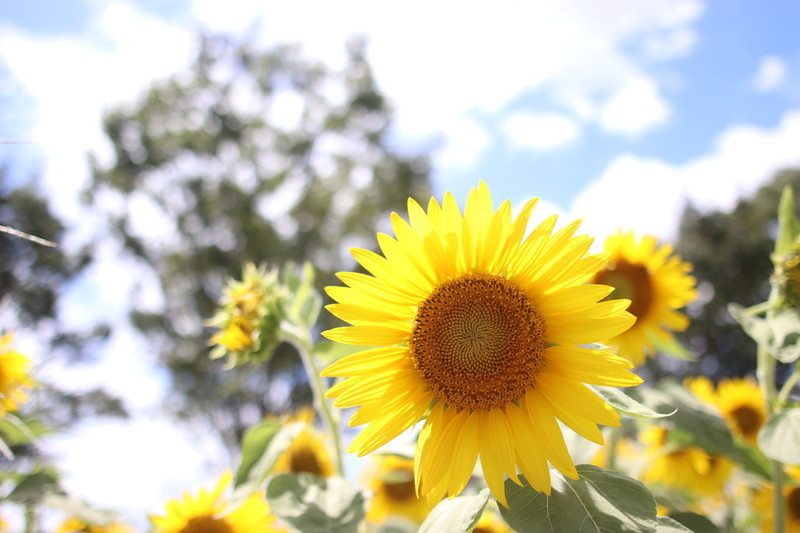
(657, 283)
(14, 376)
(481, 328)
(491, 523)
(740, 401)
(689, 468)
(308, 452)
(762, 504)
(392, 482)
(206, 513)
(76, 525)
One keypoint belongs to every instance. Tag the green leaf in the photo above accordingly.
(262, 445)
(598, 501)
(788, 226)
(779, 333)
(752, 459)
(311, 504)
(34, 487)
(668, 525)
(458, 515)
(693, 522)
(779, 439)
(627, 405)
(328, 352)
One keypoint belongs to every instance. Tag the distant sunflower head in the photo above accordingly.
(76, 525)
(762, 503)
(207, 512)
(14, 376)
(308, 453)
(482, 326)
(740, 401)
(688, 468)
(489, 522)
(392, 483)
(656, 281)
(249, 316)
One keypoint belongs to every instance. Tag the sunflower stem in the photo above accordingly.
(305, 346)
(611, 448)
(766, 377)
(786, 390)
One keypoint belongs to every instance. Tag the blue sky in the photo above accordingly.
(614, 111)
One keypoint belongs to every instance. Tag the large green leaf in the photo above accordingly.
(694, 522)
(778, 333)
(458, 515)
(262, 445)
(32, 488)
(627, 405)
(311, 504)
(779, 439)
(598, 501)
(668, 525)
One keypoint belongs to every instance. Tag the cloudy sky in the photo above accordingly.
(614, 111)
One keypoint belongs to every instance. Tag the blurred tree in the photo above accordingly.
(250, 155)
(731, 256)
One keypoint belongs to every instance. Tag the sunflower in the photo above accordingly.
(76, 525)
(689, 468)
(206, 513)
(394, 494)
(14, 376)
(656, 281)
(491, 523)
(477, 328)
(762, 503)
(740, 401)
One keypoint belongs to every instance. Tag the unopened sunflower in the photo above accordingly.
(657, 282)
(14, 376)
(480, 328)
(394, 494)
(207, 512)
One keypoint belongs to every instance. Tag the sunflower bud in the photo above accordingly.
(249, 316)
(787, 276)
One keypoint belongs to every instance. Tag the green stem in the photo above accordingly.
(31, 519)
(611, 448)
(766, 377)
(305, 346)
(783, 395)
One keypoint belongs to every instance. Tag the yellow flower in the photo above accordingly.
(657, 283)
(491, 523)
(309, 450)
(14, 376)
(76, 525)
(689, 468)
(207, 512)
(762, 504)
(479, 327)
(740, 401)
(394, 494)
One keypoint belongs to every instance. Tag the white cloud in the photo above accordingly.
(771, 74)
(464, 144)
(541, 131)
(634, 108)
(649, 195)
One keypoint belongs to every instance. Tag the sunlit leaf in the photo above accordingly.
(779, 333)
(598, 501)
(627, 405)
(457, 515)
(779, 439)
(312, 504)
(668, 525)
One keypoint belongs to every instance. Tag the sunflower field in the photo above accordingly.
(486, 372)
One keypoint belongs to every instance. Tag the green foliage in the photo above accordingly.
(778, 332)
(629, 406)
(598, 501)
(311, 504)
(780, 437)
(668, 525)
(251, 155)
(693, 522)
(731, 254)
(457, 515)
(262, 445)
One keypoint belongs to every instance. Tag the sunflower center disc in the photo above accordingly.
(630, 282)
(793, 503)
(303, 459)
(748, 419)
(400, 491)
(206, 524)
(477, 342)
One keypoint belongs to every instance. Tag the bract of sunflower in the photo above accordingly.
(656, 281)
(480, 327)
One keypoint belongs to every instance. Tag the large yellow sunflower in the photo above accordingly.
(480, 328)
(740, 401)
(394, 494)
(14, 376)
(207, 512)
(656, 281)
